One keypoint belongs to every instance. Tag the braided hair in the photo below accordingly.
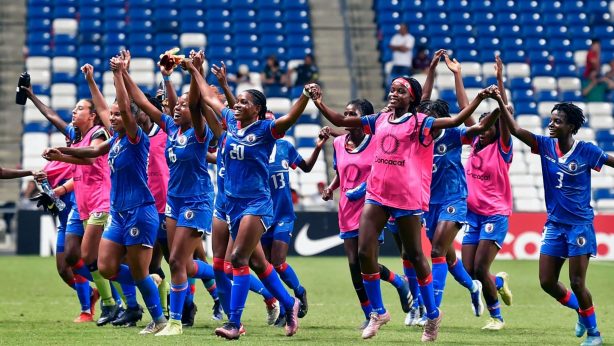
(438, 108)
(366, 108)
(260, 100)
(416, 89)
(573, 115)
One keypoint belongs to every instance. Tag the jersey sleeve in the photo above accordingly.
(505, 149)
(101, 133)
(137, 138)
(228, 117)
(168, 124)
(368, 123)
(70, 132)
(426, 129)
(540, 143)
(463, 137)
(596, 157)
(293, 156)
(272, 131)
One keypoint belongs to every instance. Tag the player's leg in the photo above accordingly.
(578, 266)
(279, 251)
(219, 242)
(416, 310)
(350, 246)
(486, 252)
(457, 269)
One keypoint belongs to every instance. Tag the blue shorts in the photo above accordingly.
(395, 212)
(219, 210)
(236, 208)
(482, 227)
(191, 212)
(354, 234)
(74, 225)
(281, 230)
(162, 236)
(63, 217)
(455, 211)
(136, 226)
(561, 240)
(220, 214)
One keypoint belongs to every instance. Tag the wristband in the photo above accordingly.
(166, 78)
(65, 189)
(306, 93)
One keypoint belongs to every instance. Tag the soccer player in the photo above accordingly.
(134, 225)
(249, 142)
(489, 204)
(398, 187)
(91, 187)
(568, 232)
(190, 193)
(353, 155)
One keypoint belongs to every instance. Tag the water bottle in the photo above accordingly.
(49, 191)
(21, 97)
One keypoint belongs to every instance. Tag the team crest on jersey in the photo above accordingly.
(182, 139)
(168, 211)
(97, 214)
(581, 241)
(573, 166)
(134, 232)
(389, 144)
(451, 210)
(489, 228)
(251, 138)
(116, 148)
(434, 168)
(284, 164)
(189, 215)
(441, 148)
(163, 225)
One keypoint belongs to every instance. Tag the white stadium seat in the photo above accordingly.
(529, 121)
(34, 162)
(143, 78)
(420, 77)
(579, 57)
(63, 102)
(63, 89)
(521, 180)
(38, 63)
(42, 77)
(524, 191)
(471, 68)
(192, 39)
(569, 84)
(65, 64)
(57, 139)
(65, 26)
(517, 70)
(34, 143)
(33, 115)
(605, 205)
(544, 83)
(142, 64)
(602, 182)
(599, 109)
(529, 204)
(585, 134)
(445, 82)
(306, 131)
(544, 108)
(310, 108)
(278, 105)
(176, 79)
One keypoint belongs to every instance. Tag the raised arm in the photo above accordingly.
(525, 136)
(427, 89)
(336, 118)
(441, 123)
(483, 125)
(49, 113)
(171, 94)
(307, 165)
(123, 101)
(141, 100)
(205, 90)
(87, 153)
(220, 74)
(9, 173)
(194, 99)
(503, 127)
(284, 123)
(609, 161)
(99, 102)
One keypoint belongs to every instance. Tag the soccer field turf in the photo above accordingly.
(36, 307)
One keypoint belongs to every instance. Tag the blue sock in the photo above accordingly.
(211, 288)
(82, 286)
(461, 276)
(223, 283)
(116, 296)
(288, 275)
(238, 296)
(81, 269)
(178, 294)
(498, 282)
(149, 291)
(414, 287)
(189, 296)
(130, 295)
(440, 271)
(389, 276)
(256, 286)
(366, 308)
(271, 281)
(374, 292)
(124, 276)
(589, 319)
(570, 300)
(203, 270)
(428, 296)
(494, 308)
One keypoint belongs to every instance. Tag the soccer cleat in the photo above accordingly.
(94, 296)
(129, 317)
(580, 328)
(592, 340)
(272, 311)
(153, 327)
(304, 307)
(228, 331)
(431, 328)
(494, 324)
(84, 317)
(292, 318)
(281, 321)
(242, 330)
(476, 299)
(375, 322)
(218, 313)
(189, 312)
(108, 314)
(412, 317)
(363, 325)
(422, 321)
(405, 295)
(172, 328)
(504, 291)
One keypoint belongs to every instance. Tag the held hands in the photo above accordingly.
(453, 64)
(52, 154)
(117, 64)
(39, 176)
(489, 92)
(220, 73)
(327, 194)
(436, 58)
(323, 136)
(125, 56)
(314, 91)
(498, 67)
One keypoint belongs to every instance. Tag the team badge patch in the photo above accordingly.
(441, 148)
(251, 138)
(188, 214)
(489, 228)
(182, 140)
(116, 148)
(434, 168)
(284, 164)
(581, 241)
(451, 210)
(389, 144)
(97, 214)
(134, 232)
(573, 166)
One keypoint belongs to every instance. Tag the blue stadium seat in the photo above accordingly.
(40, 12)
(245, 27)
(297, 52)
(62, 77)
(136, 38)
(142, 13)
(114, 13)
(550, 95)
(381, 6)
(540, 67)
(146, 3)
(114, 38)
(167, 26)
(169, 4)
(270, 14)
(523, 95)
(572, 96)
(91, 25)
(38, 37)
(302, 41)
(525, 107)
(39, 25)
(146, 51)
(473, 81)
(295, 4)
(603, 193)
(36, 127)
(514, 55)
(165, 14)
(243, 15)
(168, 40)
(64, 12)
(566, 70)
(90, 12)
(269, 4)
(41, 89)
(553, 18)
(88, 51)
(192, 26)
(64, 50)
(114, 26)
(272, 28)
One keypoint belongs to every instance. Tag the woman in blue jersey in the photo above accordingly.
(569, 232)
(133, 229)
(190, 192)
(249, 143)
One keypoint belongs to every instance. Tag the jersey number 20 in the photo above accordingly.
(237, 152)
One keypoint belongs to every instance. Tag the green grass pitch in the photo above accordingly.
(37, 308)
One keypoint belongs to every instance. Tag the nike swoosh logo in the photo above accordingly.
(305, 246)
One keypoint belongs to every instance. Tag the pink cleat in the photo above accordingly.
(431, 328)
(375, 321)
(292, 319)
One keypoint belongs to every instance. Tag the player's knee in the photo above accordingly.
(577, 284)
(437, 251)
(176, 264)
(481, 272)
(239, 261)
(546, 283)
(107, 271)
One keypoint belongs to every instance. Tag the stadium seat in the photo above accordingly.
(599, 109)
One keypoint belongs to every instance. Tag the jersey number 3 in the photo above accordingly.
(560, 185)
(237, 152)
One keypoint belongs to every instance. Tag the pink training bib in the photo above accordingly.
(353, 169)
(157, 169)
(488, 181)
(92, 182)
(58, 171)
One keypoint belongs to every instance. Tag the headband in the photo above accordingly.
(406, 84)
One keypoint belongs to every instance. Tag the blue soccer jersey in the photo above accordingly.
(449, 181)
(567, 179)
(220, 198)
(283, 157)
(246, 157)
(128, 164)
(186, 159)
